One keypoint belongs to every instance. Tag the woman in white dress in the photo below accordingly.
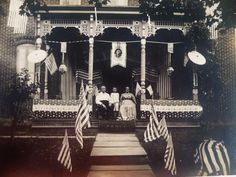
(128, 105)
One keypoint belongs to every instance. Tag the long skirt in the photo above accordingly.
(128, 110)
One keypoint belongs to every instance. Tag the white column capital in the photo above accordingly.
(91, 40)
(143, 41)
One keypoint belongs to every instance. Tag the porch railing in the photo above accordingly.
(172, 109)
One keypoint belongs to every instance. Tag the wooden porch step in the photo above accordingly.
(116, 144)
(111, 144)
(117, 149)
(121, 170)
(120, 167)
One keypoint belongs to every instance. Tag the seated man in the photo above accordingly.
(102, 102)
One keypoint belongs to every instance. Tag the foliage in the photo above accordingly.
(30, 7)
(210, 83)
(198, 37)
(210, 87)
(166, 9)
(19, 95)
(98, 3)
(193, 10)
(225, 13)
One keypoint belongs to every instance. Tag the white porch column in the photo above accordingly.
(195, 85)
(46, 78)
(143, 68)
(90, 68)
(91, 58)
(38, 46)
(46, 83)
(38, 70)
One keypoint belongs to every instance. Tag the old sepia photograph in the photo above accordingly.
(117, 88)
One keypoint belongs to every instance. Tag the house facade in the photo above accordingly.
(152, 47)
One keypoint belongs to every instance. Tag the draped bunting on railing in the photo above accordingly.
(82, 74)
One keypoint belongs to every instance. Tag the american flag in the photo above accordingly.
(152, 133)
(169, 157)
(51, 63)
(64, 156)
(162, 128)
(82, 119)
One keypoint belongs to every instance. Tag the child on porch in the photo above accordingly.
(114, 101)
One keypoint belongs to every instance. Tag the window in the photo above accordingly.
(70, 2)
(22, 52)
(118, 3)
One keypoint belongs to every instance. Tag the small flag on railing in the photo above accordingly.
(51, 64)
(169, 157)
(150, 90)
(64, 156)
(137, 89)
(95, 91)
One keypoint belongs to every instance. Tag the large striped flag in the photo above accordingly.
(212, 157)
(51, 64)
(15, 19)
(64, 156)
(152, 133)
(162, 128)
(82, 119)
(169, 157)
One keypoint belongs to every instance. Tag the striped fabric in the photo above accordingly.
(51, 63)
(164, 85)
(212, 157)
(151, 74)
(82, 74)
(64, 156)
(162, 128)
(169, 157)
(82, 119)
(152, 133)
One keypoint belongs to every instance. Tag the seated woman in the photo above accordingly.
(128, 105)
